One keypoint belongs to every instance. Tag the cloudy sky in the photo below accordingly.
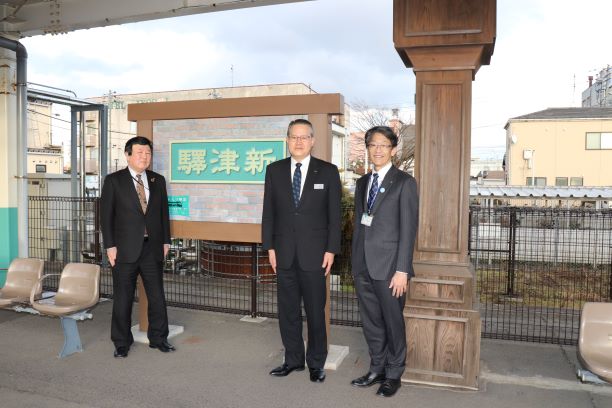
(544, 52)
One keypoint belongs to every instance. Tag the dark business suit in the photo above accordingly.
(300, 237)
(123, 226)
(379, 250)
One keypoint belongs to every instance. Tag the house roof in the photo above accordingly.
(569, 113)
(492, 174)
(541, 192)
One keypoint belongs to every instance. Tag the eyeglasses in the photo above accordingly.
(299, 138)
(381, 147)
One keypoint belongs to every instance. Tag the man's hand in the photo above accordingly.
(112, 255)
(272, 258)
(166, 249)
(399, 284)
(328, 261)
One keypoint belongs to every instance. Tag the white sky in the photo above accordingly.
(544, 52)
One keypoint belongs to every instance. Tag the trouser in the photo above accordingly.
(124, 285)
(383, 323)
(293, 285)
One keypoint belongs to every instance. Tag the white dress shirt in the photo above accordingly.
(381, 176)
(145, 182)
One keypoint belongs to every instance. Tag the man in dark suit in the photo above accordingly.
(136, 234)
(385, 226)
(301, 231)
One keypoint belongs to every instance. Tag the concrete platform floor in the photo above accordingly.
(223, 362)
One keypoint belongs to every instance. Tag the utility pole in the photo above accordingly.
(110, 96)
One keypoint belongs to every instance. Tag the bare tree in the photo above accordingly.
(366, 117)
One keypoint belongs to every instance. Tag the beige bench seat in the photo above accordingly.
(595, 341)
(22, 276)
(79, 289)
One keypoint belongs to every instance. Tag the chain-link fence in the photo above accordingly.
(535, 267)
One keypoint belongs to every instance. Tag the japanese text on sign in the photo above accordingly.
(223, 161)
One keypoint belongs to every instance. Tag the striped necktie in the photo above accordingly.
(142, 197)
(373, 191)
(297, 184)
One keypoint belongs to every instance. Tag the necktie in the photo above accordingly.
(297, 184)
(373, 191)
(142, 197)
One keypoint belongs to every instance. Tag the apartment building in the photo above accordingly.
(560, 147)
(599, 92)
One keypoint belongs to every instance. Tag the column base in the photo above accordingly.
(442, 327)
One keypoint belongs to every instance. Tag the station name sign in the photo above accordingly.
(224, 160)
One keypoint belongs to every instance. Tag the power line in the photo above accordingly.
(486, 126)
(67, 121)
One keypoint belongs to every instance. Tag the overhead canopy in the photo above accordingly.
(541, 192)
(25, 18)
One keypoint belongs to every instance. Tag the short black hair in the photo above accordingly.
(300, 122)
(138, 140)
(386, 131)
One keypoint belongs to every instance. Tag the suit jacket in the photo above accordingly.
(312, 228)
(122, 220)
(388, 243)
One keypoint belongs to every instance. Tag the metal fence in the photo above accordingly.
(218, 276)
(535, 267)
(62, 230)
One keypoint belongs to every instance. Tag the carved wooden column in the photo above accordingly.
(445, 42)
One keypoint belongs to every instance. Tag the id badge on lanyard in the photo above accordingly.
(366, 219)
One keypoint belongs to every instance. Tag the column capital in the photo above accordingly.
(444, 34)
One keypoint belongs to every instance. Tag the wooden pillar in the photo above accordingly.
(445, 42)
(322, 149)
(144, 128)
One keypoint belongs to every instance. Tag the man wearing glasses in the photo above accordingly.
(386, 218)
(301, 232)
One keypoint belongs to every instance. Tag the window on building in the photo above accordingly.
(41, 168)
(576, 181)
(561, 181)
(539, 181)
(598, 140)
(91, 129)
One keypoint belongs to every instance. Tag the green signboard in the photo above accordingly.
(223, 161)
(178, 205)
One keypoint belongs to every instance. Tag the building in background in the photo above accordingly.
(488, 169)
(599, 93)
(43, 155)
(560, 147)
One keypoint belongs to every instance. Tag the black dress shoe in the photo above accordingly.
(284, 370)
(389, 387)
(368, 380)
(317, 374)
(164, 347)
(121, 352)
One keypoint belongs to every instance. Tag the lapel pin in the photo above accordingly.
(152, 179)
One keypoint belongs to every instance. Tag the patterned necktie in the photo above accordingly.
(373, 191)
(297, 184)
(142, 197)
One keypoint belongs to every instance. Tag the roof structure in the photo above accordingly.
(541, 192)
(569, 113)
